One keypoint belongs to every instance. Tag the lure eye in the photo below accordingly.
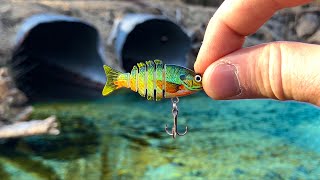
(197, 78)
(183, 77)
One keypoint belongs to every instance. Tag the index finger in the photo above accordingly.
(234, 20)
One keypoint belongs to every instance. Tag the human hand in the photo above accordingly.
(279, 70)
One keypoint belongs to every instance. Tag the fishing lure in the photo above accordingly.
(155, 81)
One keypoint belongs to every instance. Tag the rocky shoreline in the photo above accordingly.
(15, 113)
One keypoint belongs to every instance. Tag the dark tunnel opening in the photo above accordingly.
(59, 60)
(155, 39)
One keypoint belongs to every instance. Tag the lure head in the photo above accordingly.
(181, 81)
(190, 80)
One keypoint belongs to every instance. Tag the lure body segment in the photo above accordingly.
(154, 80)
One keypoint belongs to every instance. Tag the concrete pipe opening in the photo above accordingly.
(143, 37)
(58, 57)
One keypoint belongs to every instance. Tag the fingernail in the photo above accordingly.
(225, 81)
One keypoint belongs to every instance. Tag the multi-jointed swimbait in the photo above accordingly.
(155, 81)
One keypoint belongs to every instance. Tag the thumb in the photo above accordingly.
(279, 70)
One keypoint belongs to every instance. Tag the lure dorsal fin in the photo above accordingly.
(158, 62)
(141, 65)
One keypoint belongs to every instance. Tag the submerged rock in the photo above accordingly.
(79, 138)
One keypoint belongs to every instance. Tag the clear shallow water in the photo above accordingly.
(122, 137)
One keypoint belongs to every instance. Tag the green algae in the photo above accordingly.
(3, 173)
(122, 137)
(26, 163)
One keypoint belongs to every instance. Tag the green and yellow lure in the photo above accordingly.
(154, 80)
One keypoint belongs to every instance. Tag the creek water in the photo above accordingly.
(122, 137)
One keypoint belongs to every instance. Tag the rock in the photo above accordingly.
(307, 25)
(8, 92)
(315, 38)
(204, 2)
(12, 100)
(18, 98)
(13, 110)
(4, 84)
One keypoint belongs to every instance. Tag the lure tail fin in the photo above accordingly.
(112, 78)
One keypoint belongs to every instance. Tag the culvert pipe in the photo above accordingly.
(58, 57)
(142, 37)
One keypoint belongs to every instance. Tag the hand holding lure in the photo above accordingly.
(155, 81)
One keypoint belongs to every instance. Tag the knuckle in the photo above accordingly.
(271, 73)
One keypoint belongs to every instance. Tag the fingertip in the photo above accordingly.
(201, 64)
(196, 67)
(220, 81)
(208, 87)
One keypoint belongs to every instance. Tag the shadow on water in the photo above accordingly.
(79, 138)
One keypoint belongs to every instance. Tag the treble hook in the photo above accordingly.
(174, 132)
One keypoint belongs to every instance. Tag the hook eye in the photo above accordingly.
(197, 78)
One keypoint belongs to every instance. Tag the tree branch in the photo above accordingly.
(29, 128)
